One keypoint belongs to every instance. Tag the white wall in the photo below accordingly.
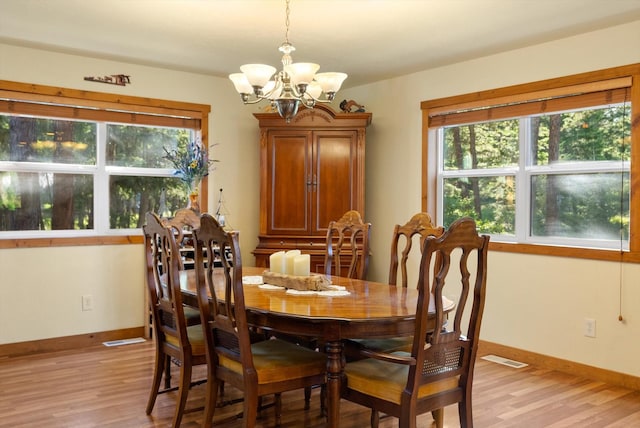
(534, 303)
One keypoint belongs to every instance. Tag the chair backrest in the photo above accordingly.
(163, 281)
(349, 235)
(420, 225)
(184, 219)
(183, 223)
(227, 332)
(459, 261)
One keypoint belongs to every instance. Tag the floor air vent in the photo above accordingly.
(123, 341)
(504, 361)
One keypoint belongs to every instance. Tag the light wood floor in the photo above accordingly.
(108, 387)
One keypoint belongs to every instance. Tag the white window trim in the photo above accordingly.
(523, 174)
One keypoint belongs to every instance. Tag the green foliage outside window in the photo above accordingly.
(574, 163)
(49, 171)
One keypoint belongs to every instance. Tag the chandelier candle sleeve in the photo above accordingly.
(276, 262)
(302, 265)
(289, 257)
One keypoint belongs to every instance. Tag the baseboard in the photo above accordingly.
(565, 366)
(67, 342)
(485, 348)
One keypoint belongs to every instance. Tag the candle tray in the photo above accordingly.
(315, 282)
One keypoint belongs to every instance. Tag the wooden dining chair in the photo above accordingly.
(258, 368)
(183, 223)
(403, 240)
(175, 340)
(348, 240)
(439, 370)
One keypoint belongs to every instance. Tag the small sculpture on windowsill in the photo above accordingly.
(347, 106)
(222, 213)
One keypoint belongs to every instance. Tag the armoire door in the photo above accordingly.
(288, 182)
(335, 173)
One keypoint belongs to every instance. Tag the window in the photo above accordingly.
(77, 165)
(549, 163)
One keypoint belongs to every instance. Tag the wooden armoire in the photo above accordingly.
(311, 172)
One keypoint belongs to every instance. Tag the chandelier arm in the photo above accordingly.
(254, 101)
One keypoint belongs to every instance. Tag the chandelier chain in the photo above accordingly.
(286, 23)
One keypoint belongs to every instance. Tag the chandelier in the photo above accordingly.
(296, 84)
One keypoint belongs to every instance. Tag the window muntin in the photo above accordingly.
(587, 146)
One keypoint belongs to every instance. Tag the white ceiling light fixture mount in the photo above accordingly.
(296, 84)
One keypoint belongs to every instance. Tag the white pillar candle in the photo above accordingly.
(302, 265)
(288, 261)
(276, 262)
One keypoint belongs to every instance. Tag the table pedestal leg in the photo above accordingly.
(334, 374)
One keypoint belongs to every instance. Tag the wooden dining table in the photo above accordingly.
(370, 309)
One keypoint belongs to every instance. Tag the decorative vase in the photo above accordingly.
(194, 200)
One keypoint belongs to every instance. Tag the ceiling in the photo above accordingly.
(368, 39)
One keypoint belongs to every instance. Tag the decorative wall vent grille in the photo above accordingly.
(123, 341)
(504, 361)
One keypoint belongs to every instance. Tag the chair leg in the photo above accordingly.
(211, 397)
(250, 409)
(307, 397)
(375, 418)
(167, 372)
(465, 413)
(278, 408)
(157, 378)
(323, 400)
(183, 391)
(438, 416)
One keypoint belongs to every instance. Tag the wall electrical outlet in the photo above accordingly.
(87, 302)
(590, 327)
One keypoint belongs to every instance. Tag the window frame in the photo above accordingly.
(41, 100)
(436, 112)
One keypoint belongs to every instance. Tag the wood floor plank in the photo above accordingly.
(108, 387)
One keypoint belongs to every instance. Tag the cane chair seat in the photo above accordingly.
(387, 381)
